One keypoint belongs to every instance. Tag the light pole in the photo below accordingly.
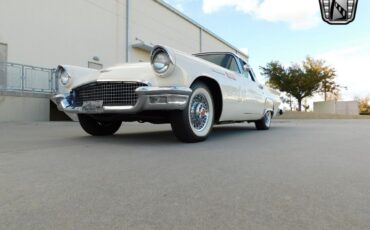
(339, 87)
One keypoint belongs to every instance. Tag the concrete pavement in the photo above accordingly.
(301, 174)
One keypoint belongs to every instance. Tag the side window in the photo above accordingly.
(227, 61)
(233, 65)
(251, 75)
(246, 74)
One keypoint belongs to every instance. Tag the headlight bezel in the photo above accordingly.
(64, 77)
(167, 61)
(161, 62)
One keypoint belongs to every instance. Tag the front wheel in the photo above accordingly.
(265, 122)
(98, 128)
(195, 122)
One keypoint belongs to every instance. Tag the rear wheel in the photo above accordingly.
(265, 122)
(98, 128)
(195, 122)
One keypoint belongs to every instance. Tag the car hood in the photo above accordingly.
(125, 72)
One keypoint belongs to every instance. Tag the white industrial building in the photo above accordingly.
(90, 33)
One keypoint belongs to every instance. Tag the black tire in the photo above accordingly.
(98, 128)
(201, 108)
(265, 122)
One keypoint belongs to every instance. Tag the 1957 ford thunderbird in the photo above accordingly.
(191, 92)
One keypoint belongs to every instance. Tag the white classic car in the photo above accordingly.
(191, 92)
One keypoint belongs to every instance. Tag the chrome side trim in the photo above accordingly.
(149, 90)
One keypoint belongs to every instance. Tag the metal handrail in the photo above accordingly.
(27, 78)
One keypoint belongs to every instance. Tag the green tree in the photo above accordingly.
(364, 104)
(328, 84)
(300, 81)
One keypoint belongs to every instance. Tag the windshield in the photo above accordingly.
(224, 60)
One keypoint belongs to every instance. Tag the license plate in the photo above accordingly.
(92, 106)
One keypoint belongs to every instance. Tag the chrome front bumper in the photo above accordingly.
(149, 98)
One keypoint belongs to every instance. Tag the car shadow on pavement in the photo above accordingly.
(231, 129)
(147, 138)
(218, 133)
(230, 132)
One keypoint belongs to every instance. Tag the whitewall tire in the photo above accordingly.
(265, 122)
(195, 122)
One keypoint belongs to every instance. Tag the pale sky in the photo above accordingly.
(288, 31)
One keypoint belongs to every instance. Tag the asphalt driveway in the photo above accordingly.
(302, 174)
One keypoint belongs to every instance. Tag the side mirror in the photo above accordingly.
(246, 68)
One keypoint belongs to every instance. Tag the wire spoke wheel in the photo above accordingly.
(199, 112)
(267, 119)
(265, 122)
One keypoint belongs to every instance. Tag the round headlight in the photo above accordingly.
(161, 62)
(64, 77)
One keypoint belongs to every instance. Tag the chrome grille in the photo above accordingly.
(111, 93)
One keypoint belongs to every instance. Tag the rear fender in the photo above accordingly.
(269, 105)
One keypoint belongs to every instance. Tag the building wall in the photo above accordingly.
(212, 44)
(337, 107)
(347, 107)
(324, 107)
(14, 108)
(153, 23)
(3, 59)
(46, 33)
